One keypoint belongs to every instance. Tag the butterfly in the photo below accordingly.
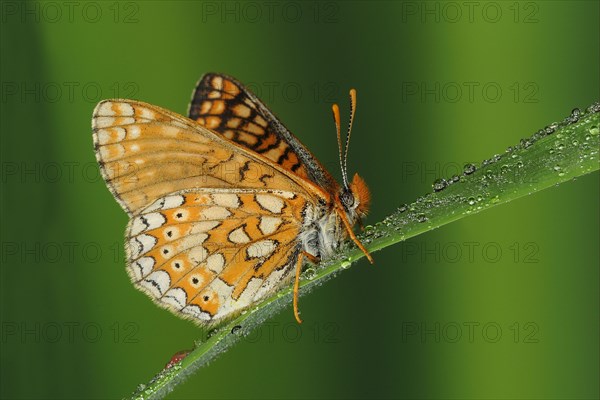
(224, 204)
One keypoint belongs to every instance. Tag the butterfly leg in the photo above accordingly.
(353, 236)
(312, 259)
(296, 286)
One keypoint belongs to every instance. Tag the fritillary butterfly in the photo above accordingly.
(223, 205)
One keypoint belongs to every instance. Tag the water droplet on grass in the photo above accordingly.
(574, 117)
(439, 185)
(469, 169)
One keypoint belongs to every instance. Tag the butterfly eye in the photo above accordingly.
(347, 198)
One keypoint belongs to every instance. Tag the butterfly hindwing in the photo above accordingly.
(207, 254)
(224, 105)
(146, 152)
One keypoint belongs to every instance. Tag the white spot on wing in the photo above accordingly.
(284, 194)
(204, 226)
(229, 200)
(217, 83)
(106, 136)
(196, 312)
(157, 205)
(224, 291)
(125, 109)
(269, 202)
(248, 293)
(157, 283)
(269, 225)
(197, 255)
(263, 248)
(141, 244)
(103, 122)
(137, 226)
(175, 297)
(215, 213)
(155, 220)
(133, 132)
(146, 113)
(142, 267)
(147, 242)
(239, 236)
(216, 262)
(147, 222)
(104, 109)
(193, 240)
(173, 201)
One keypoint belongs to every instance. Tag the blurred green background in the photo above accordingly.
(503, 304)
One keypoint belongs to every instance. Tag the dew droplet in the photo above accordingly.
(469, 169)
(574, 117)
(422, 218)
(551, 128)
(594, 108)
(236, 329)
(593, 130)
(403, 208)
(310, 273)
(560, 146)
(525, 143)
(471, 201)
(439, 185)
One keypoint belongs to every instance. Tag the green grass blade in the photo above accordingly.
(556, 154)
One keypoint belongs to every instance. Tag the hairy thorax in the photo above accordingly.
(323, 231)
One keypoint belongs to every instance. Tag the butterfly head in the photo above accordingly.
(354, 196)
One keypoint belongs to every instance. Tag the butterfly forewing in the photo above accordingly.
(207, 253)
(146, 152)
(222, 104)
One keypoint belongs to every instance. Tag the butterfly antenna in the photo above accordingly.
(352, 111)
(336, 119)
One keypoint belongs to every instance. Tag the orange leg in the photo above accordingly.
(296, 286)
(353, 236)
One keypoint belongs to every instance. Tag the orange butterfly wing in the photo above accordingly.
(225, 106)
(146, 152)
(208, 254)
